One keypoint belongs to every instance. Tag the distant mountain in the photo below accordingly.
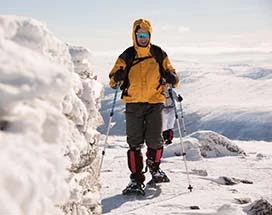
(118, 118)
(233, 100)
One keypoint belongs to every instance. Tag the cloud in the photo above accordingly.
(230, 11)
(174, 28)
(182, 29)
(237, 36)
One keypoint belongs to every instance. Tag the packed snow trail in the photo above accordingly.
(209, 194)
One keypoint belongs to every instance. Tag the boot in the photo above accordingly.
(158, 176)
(168, 136)
(153, 163)
(137, 178)
(167, 142)
(165, 135)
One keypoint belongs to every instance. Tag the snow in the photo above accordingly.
(48, 116)
(50, 110)
(209, 193)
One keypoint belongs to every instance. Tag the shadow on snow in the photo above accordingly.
(116, 201)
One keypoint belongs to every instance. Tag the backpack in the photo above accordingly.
(129, 57)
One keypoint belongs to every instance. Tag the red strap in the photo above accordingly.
(158, 155)
(132, 161)
(171, 134)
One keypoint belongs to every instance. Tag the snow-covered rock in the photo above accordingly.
(48, 117)
(189, 146)
(213, 144)
(259, 207)
(201, 144)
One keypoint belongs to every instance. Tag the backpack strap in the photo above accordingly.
(159, 55)
(128, 56)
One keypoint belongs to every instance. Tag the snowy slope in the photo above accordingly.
(232, 99)
(209, 192)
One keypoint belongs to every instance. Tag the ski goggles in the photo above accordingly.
(142, 35)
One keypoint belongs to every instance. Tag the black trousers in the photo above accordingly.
(144, 125)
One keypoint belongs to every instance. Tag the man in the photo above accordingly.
(168, 114)
(144, 99)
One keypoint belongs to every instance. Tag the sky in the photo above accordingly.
(104, 25)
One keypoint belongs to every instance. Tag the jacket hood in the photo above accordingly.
(140, 23)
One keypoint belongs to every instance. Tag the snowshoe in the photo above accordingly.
(134, 188)
(151, 183)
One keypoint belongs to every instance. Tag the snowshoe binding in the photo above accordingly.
(158, 177)
(134, 188)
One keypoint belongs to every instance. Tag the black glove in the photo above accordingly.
(169, 77)
(180, 98)
(119, 75)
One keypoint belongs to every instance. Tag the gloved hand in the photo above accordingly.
(119, 75)
(180, 98)
(169, 77)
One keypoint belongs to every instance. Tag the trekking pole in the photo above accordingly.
(109, 125)
(182, 118)
(180, 137)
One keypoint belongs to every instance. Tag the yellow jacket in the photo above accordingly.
(144, 77)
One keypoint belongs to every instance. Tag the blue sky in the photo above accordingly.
(106, 25)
